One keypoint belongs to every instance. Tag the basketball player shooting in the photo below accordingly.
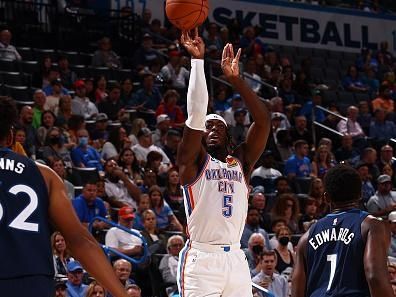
(214, 179)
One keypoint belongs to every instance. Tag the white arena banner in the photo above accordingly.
(297, 24)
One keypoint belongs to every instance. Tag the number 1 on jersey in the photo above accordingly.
(333, 263)
(227, 206)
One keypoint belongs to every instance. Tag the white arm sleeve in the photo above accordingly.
(197, 96)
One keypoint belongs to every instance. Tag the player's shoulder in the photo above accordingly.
(376, 226)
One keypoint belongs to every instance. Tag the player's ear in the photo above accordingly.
(326, 197)
(10, 138)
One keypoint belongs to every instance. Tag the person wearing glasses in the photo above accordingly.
(168, 264)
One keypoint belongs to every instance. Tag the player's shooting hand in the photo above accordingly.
(193, 43)
(230, 62)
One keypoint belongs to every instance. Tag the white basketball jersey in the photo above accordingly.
(216, 202)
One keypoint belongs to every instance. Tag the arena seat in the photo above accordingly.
(21, 94)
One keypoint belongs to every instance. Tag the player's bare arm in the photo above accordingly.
(377, 236)
(299, 278)
(82, 244)
(249, 151)
(191, 153)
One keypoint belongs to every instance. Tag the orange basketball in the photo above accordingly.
(187, 14)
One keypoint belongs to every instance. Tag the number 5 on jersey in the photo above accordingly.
(227, 206)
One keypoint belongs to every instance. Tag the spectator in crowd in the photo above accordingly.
(145, 146)
(298, 165)
(85, 155)
(143, 205)
(149, 179)
(269, 279)
(392, 221)
(60, 288)
(8, 51)
(54, 79)
(346, 152)
(252, 78)
(352, 81)
(316, 192)
(100, 134)
(239, 131)
(149, 96)
(351, 126)
(282, 185)
(388, 170)
(285, 258)
(173, 192)
(287, 208)
(48, 119)
(381, 130)
(386, 157)
(254, 252)
(169, 107)
(38, 107)
(81, 105)
(123, 242)
(100, 85)
(145, 55)
(168, 264)
(266, 168)
(55, 147)
(87, 206)
(384, 200)
(156, 241)
(300, 130)
(130, 165)
(384, 100)
(173, 73)
(105, 56)
(66, 75)
(118, 140)
(26, 121)
(19, 140)
(368, 189)
(364, 116)
(159, 135)
(166, 219)
(61, 255)
(137, 124)
(172, 140)
(236, 103)
(75, 286)
(369, 156)
(309, 106)
(64, 111)
(133, 291)
(370, 79)
(127, 92)
(74, 124)
(253, 226)
(310, 215)
(112, 104)
(52, 100)
(58, 165)
(123, 270)
(322, 161)
(259, 201)
(220, 102)
(95, 290)
(277, 107)
(119, 186)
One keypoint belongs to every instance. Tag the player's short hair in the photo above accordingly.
(342, 183)
(8, 116)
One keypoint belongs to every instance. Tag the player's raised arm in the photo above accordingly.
(375, 257)
(257, 135)
(299, 278)
(191, 153)
(81, 243)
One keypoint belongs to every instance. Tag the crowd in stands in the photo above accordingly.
(113, 141)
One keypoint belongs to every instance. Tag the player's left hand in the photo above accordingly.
(230, 62)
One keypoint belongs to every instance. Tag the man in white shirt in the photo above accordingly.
(145, 146)
(236, 103)
(351, 125)
(270, 280)
(266, 169)
(81, 105)
(8, 51)
(173, 73)
(253, 79)
(122, 241)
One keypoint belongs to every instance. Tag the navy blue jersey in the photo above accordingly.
(25, 248)
(335, 251)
